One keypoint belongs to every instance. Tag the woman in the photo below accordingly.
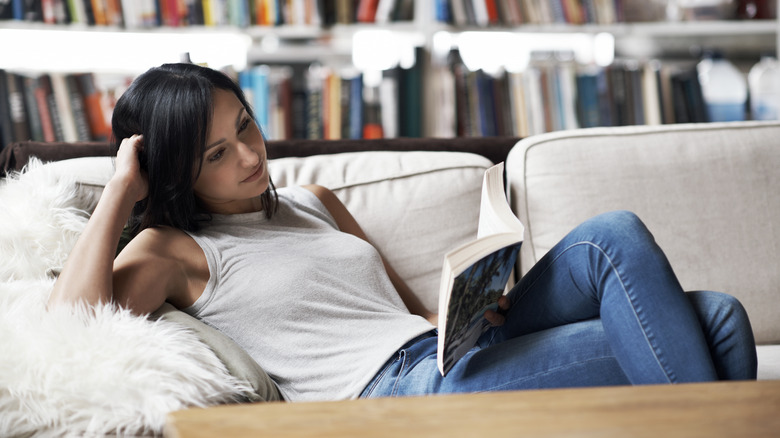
(290, 276)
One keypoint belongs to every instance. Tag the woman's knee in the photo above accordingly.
(717, 308)
(727, 328)
(619, 224)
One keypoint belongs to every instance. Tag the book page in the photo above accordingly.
(495, 215)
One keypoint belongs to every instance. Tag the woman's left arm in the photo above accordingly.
(347, 223)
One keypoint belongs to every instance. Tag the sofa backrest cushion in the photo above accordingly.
(708, 192)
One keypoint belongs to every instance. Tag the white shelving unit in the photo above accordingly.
(337, 45)
(300, 43)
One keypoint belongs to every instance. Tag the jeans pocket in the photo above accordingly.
(401, 361)
(377, 380)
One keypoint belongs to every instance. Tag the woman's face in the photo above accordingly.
(234, 171)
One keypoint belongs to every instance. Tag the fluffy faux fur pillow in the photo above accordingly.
(76, 371)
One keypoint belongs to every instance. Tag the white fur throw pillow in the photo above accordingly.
(76, 371)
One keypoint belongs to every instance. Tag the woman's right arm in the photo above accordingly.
(88, 274)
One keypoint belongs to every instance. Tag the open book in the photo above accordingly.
(476, 274)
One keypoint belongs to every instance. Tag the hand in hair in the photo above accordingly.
(128, 167)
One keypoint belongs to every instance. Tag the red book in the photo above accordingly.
(93, 107)
(366, 12)
(492, 11)
(41, 97)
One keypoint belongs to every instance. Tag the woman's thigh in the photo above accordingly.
(572, 355)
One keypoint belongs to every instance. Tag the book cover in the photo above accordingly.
(459, 17)
(443, 11)
(535, 108)
(17, 9)
(476, 275)
(356, 106)
(258, 80)
(411, 97)
(314, 80)
(651, 94)
(388, 101)
(29, 85)
(372, 113)
(459, 72)
(94, 109)
(384, 11)
(6, 130)
(404, 11)
(517, 99)
(588, 99)
(77, 106)
(44, 113)
(47, 92)
(502, 105)
(331, 104)
(18, 107)
(366, 11)
(61, 95)
(6, 10)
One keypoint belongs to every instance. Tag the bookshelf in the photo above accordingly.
(335, 48)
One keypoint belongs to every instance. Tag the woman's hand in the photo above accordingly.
(498, 318)
(128, 167)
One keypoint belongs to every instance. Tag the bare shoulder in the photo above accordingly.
(165, 259)
(162, 241)
(328, 199)
(320, 191)
(344, 219)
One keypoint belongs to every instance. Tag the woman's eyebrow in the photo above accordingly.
(238, 125)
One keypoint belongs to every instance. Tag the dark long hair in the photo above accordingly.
(172, 107)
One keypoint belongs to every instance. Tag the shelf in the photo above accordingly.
(696, 28)
(649, 29)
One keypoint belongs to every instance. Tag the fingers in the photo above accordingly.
(130, 150)
(134, 142)
(498, 317)
(494, 318)
(503, 304)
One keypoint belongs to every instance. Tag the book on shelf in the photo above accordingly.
(133, 14)
(52, 107)
(551, 95)
(6, 126)
(476, 274)
(485, 13)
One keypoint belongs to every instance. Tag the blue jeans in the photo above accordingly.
(603, 307)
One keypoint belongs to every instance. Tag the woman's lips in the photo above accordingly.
(256, 174)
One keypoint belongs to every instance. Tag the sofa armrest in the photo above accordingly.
(708, 193)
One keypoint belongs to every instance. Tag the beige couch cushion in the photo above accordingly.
(709, 193)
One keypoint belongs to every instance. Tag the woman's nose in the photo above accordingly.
(248, 155)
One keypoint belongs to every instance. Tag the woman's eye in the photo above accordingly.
(244, 125)
(216, 156)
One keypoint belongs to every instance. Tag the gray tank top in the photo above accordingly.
(311, 304)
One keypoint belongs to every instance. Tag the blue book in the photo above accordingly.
(588, 112)
(17, 9)
(356, 107)
(443, 11)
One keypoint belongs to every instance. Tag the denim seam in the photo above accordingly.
(401, 369)
(628, 296)
(636, 311)
(378, 378)
(545, 372)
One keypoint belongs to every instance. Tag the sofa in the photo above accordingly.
(706, 191)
